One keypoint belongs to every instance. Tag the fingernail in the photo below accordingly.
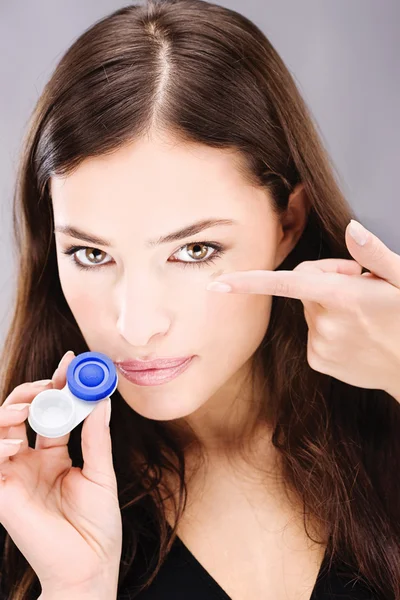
(358, 233)
(218, 286)
(108, 412)
(17, 406)
(12, 442)
(59, 364)
(66, 354)
(41, 382)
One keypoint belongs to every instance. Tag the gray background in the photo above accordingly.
(344, 55)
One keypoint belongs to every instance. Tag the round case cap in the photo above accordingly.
(92, 376)
(51, 413)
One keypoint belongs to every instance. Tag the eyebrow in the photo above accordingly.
(171, 237)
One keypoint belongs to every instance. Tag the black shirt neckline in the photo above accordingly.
(217, 589)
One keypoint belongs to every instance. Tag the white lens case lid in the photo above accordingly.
(52, 413)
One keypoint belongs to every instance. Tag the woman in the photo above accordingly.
(245, 473)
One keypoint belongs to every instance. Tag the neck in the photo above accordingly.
(231, 422)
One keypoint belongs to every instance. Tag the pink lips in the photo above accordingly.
(158, 363)
(153, 376)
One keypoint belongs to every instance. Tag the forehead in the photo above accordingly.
(160, 180)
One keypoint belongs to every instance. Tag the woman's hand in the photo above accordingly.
(353, 318)
(66, 521)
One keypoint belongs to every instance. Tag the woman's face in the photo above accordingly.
(137, 300)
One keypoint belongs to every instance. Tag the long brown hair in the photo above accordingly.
(207, 75)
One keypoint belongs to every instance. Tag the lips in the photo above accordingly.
(145, 365)
(155, 377)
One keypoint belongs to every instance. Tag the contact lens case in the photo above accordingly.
(91, 378)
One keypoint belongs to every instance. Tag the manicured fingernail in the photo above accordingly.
(218, 286)
(17, 406)
(12, 442)
(358, 232)
(41, 382)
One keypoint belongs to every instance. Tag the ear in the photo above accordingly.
(292, 222)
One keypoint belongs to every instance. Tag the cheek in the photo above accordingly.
(242, 319)
(86, 302)
(237, 323)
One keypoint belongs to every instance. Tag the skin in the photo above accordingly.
(145, 304)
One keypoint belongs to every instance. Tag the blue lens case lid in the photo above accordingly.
(92, 376)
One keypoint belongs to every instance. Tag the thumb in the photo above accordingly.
(97, 448)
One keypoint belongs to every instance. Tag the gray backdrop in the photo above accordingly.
(344, 55)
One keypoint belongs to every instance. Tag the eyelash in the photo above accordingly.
(219, 251)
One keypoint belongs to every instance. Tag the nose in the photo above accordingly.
(142, 313)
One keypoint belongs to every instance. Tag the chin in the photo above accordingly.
(163, 409)
(166, 412)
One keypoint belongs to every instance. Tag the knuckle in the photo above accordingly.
(20, 394)
(9, 449)
(303, 266)
(26, 388)
(340, 298)
(22, 389)
(377, 252)
(325, 328)
(11, 418)
(282, 288)
(306, 266)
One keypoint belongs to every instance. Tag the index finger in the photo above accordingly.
(302, 285)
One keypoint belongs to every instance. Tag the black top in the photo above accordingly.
(182, 577)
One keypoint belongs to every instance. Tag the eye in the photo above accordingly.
(89, 253)
(196, 248)
(201, 257)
